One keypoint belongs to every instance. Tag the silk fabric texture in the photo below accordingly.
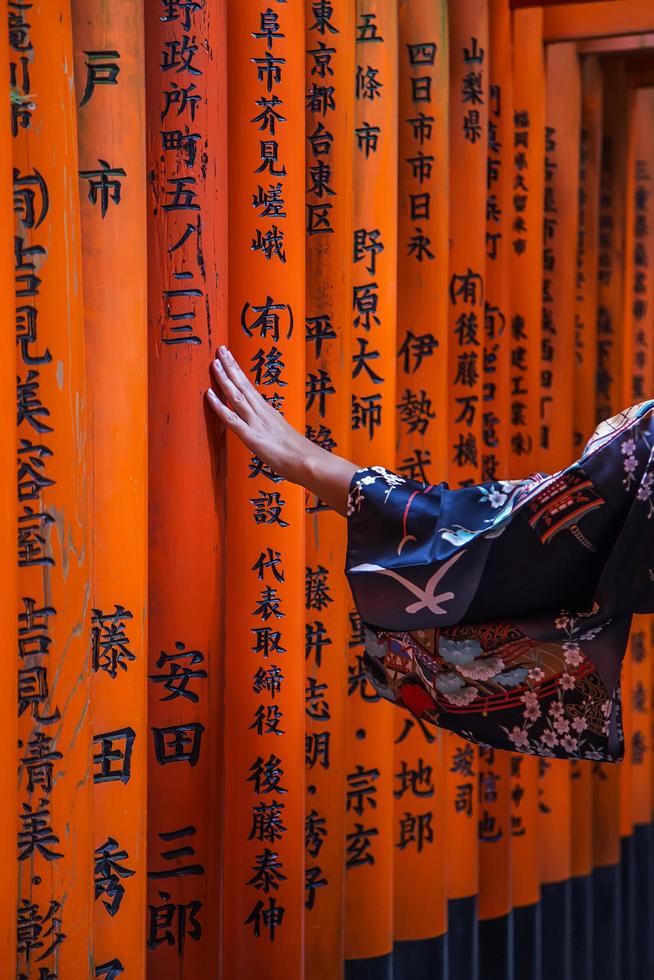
(501, 611)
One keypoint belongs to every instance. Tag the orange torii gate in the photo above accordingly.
(9, 513)
(57, 762)
(420, 843)
(110, 101)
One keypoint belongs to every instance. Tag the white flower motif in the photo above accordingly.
(390, 478)
(549, 738)
(569, 743)
(567, 682)
(354, 500)
(579, 724)
(519, 737)
(482, 669)
(594, 754)
(536, 674)
(561, 725)
(628, 447)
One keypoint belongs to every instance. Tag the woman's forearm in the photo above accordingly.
(267, 434)
(329, 477)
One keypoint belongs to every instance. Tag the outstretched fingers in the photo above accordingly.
(241, 381)
(229, 417)
(232, 392)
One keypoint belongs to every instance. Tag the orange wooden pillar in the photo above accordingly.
(468, 24)
(111, 127)
(563, 117)
(8, 517)
(264, 886)
(584, 415)
(494, 799)
(369, 830)
(186, 163)
(586, 293)
(611, 241)
(609, 400)
(329, 68)
(528, 173)
(637, 381)
(420, 911)
(57, 766)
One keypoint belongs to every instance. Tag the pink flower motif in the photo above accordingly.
(532, 712)
(569, 743)
(573, 657)
(519, 737)
(567, 682)
(529, 699)
(549, 739)
(556, 709)
(579, 724)
(536, 675)
(561, 725)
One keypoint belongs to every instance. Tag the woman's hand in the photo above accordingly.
(270, 437)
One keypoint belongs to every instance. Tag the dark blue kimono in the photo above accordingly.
(502, 611)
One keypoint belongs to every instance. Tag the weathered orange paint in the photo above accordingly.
(370, 720)
(187, 277)
(8, 517)
(419, 834)
(468, 21)
(111, 127)
(264, 771)
(55, 877)
(329, 172)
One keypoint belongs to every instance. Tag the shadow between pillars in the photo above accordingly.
(527, 945)
(583, 967)
(463, 939)
(556, 925)
(372, 968)
(607, 921)
(421, 959)
(496, 949)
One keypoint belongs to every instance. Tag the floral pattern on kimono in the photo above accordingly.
(501, 611)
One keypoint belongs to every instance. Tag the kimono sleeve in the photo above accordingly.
(415, 551)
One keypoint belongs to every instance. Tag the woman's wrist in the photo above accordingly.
(328, 476)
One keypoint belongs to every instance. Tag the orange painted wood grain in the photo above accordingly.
(264, 701)
(528, 165)
(110, 99)
(57, 762)
(586, 291)
(186, 144)
(329, 69)
(528, 145)
(469, 98)
(369, 829)
(8, 518)
(610, 298)
(419, 802)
